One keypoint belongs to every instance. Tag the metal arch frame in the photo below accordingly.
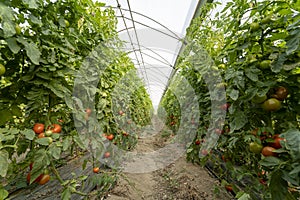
(174, 35)
(162, 74)
(167, 63)
(137, 39)
(124, 9)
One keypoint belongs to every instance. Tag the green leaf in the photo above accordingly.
(292, 143)
(252, 74)
(31, 3)
(84, 164)
(278, 186)
(234, 94)
(16, 111)
(5, 116)
(296, 170)
(270, 161)
(293, 44)
(41, 160)
(239, 120)
(43, 141)
(7, 23)
(29, 134)
(3, 194)
(66, 194)
(243, 196)
(66, 143)
(35, 20)
(291, 178)
(13, 46)
(79, 142)
(278, 64)
(54, 151)
(3, 162)
(33, 52)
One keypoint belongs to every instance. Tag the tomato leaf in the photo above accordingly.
(239, 120)
(41, 160)
(66, 143)
(13, 46)
(234, 94)
(3, 162)
(43, 141)
(292, 143)
(66, 194)
(278, 64)
(55, 151)
(29, 134)
(291, 178)
(79, 142)
(3, 193)
(31, 3)
(252, 74)
(5, 116)
(33, 52)
(278, 186)
(8, 26)
(270, 161)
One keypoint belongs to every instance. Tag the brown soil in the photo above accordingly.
(179, 180)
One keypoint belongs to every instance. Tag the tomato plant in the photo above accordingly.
(254, 47)
(44, 48)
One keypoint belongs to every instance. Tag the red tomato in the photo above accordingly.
(219, 131)
(41, 135)
(106, 155)
(197, 142)
(36, 180)
(229, 188)
(31, 166)
(110, 137)
(45, 178)
(225, 106)
(268, 151)
(88, 111)
(96, 169)
(38, 128)
(276, 144)
(28, 178)
(55, 128)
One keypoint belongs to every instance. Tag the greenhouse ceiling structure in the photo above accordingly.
(153, 32)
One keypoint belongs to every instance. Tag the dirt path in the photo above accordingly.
(179, 180)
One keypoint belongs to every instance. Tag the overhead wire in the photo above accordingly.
(138, 42)
(130, 39)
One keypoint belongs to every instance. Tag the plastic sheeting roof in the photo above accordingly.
(152, 30)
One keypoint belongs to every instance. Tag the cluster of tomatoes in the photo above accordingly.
(274, 102)
(266, 148)
(39, 129)
(41, 179)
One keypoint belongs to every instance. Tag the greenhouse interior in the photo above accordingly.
(150, 100)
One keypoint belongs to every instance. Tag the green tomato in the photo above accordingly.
(48, 133)
(222, 66)
(18, 29)
(50, 140)
(255, 147)
(2, 69)
(265, 64)
(254, 26)
(271, 104)
(67, 23)
(266, 20)
(257, 99)
(46, 171)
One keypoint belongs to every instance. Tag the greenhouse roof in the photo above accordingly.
(153, 30)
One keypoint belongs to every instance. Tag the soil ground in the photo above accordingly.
(179, 180)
